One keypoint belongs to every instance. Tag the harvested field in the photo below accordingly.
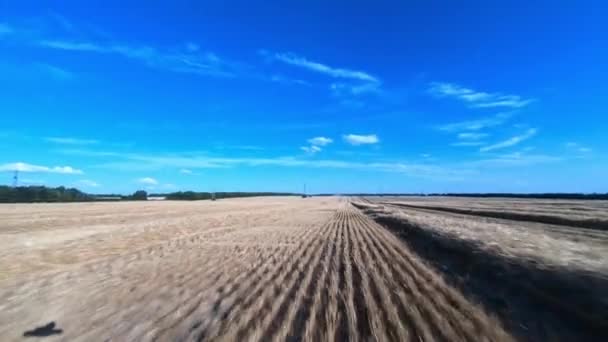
(242, 269)
(591, 214)
(545, 282)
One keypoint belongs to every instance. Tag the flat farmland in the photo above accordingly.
(257, 269)
(541, 266)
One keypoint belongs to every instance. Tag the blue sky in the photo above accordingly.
(345, 96)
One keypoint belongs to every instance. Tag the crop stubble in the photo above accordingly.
(286, 269)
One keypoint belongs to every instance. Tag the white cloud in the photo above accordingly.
(320, 141)
(475, 125)
(355, 139)
(147, 181)
(88, 183)
(471, 136)
(71, 141)
(185, 171)
(24, 167)
(311, 149)
(477, 99)
(295, 60)
(511, 141)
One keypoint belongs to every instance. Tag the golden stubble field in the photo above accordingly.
(539, 265)
(263, 269)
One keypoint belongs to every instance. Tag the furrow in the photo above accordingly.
(379, 323)
(360, 319)
(283, 314)
(462, 315)
(209, 276)
(245, 315)
(316, 324)
(379, 286)
(402, 295)
(154, 311)
(248, 294)
(449, 322)
(300, 312)
(194, 305)
(268, 302)
(341, 331)
(332, 313)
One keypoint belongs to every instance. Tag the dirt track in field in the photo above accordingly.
(255, 269)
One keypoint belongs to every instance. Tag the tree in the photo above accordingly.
(140, 195)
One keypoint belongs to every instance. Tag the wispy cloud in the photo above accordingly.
(193, 161)
(341, 89)
(471, 136)
(440, 171)
(72, 46)
(355, 139)
(147, 181)
(62, 21)
(477, 99)
(298, 61)
(320, 141)
(468, 143)
(315, 145)
(25, 167)
(577, 147)
(192, 47)
(513, 159)
(478, 124)
(286, 80)
(88, 183)
(468, 139)
(182, 59)
(311, 149)
(511, 141)
(71, 141)
(185, 171)
(56, 72)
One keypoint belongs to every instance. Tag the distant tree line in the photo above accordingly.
(194, 196)
(557, 195)
(592, 196)
(31, 194)
(42, 194)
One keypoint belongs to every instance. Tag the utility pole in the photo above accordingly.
(16, 179)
